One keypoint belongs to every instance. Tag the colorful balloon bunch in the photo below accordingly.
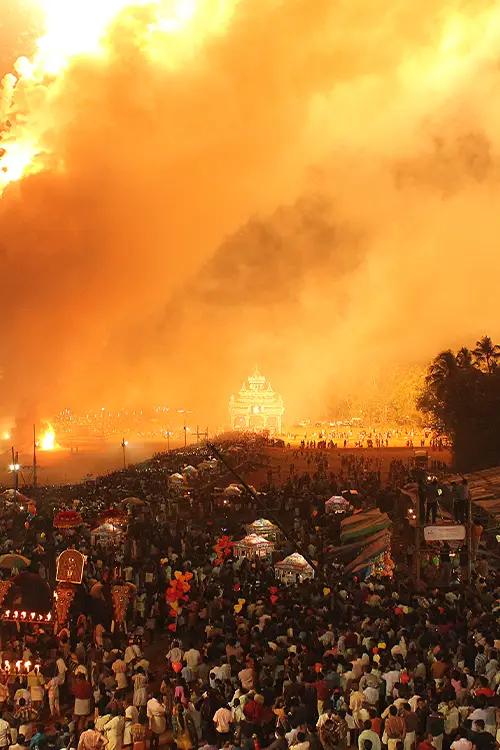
(223, 549)
(176, 595)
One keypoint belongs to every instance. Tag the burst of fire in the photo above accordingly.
(48, 439)
(75, 28)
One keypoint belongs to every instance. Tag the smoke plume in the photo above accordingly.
(312, 187)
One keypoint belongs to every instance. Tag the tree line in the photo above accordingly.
(461, 398)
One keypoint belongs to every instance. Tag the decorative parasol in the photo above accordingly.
(294, 565)
(253, 545)
(114, 516)
(11, 561)
(67, 519)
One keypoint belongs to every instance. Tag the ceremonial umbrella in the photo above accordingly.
(14, 561)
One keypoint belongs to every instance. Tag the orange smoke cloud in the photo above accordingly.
(306, 185)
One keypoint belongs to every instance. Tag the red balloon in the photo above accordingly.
(176, 666)
(172, 627)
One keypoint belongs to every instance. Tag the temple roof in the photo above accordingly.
(257, 395)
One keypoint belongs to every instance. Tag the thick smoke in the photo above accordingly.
(313, 189)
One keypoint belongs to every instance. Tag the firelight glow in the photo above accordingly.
(48, 439)
(77, 27)
(74, 29)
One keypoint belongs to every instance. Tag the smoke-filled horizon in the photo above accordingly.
(310, 186)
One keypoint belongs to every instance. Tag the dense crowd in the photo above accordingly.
(248, 661)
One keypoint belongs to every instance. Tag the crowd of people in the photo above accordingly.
(247, 661)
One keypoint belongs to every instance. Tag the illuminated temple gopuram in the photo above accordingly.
(256, 406)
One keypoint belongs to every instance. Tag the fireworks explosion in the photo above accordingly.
(192, 186)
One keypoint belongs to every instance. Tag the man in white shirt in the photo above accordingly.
(245, 676)
(132, 652)
(4, 734)
(461, 744)
(192, 659)
(155, 712)
(175, 654)
(369, 734)
(61, 670)
(222, 671)
(223, 718)
(390, 678)
(371, 696)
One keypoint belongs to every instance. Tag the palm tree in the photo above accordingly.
(486, 354)
(443, 367)
(464, 358)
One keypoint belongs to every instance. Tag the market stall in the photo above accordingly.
(264, 528)
(253, 546)
(294, 569)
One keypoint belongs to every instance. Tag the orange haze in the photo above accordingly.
(198, 187)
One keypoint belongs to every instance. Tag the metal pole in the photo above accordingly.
(417, 541)
(17, 470)
(34, 457)
(185, 434)
(124, 445)
(469, 535)
(13, 464)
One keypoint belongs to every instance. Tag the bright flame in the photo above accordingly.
(48, 439)
(79, 27)
(75, 28)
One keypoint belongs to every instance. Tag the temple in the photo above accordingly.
(256, 407)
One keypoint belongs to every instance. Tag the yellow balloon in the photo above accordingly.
(326, 591)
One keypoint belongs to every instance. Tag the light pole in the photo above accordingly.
(35, 446)
(124, 447)
(185, 427)
(14, 468)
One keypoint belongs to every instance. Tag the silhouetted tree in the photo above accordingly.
(464, 357)
(461, 398)
(486, 354)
